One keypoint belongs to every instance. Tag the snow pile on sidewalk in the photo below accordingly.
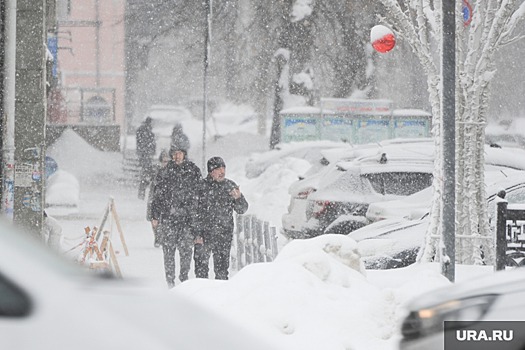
(86, 163)
(317, 296)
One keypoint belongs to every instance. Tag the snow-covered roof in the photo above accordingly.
(410, 112)
(301, 110)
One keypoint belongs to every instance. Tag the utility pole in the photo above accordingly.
(448, 110)
(2, 78)
(206, 63)
(30, 112)
(8, 108)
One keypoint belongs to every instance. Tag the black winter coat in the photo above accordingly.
(216, 207)
(176, 193)
(145, 138)
(159, 172)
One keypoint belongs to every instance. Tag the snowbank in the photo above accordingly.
(316, 296)
(86, 163)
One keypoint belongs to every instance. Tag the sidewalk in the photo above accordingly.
(145, 262)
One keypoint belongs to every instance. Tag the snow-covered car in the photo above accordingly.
(394, 242)
(498, 296)
(47, 302)
(335, 199)
(390, 243)
(417, 205)
(310, 152)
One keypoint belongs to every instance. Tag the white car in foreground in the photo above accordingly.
(496, 297)
(50, 303)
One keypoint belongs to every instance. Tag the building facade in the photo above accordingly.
(88, 74)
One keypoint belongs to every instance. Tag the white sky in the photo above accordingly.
(316, 295)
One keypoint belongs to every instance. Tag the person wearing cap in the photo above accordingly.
(219, 197)
(179, 137)
(172, 210)
(146, 147)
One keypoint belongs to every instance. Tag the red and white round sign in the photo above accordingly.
(382, 38)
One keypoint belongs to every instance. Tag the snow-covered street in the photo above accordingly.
(315, 295)
(312, 296)
(343, 171)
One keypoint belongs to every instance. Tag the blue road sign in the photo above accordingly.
(467, 12)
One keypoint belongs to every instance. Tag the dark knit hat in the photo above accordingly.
(180, 145)
(214, 163)
(174, 149)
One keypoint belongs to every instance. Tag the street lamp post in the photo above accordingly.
(207, 37)
(8, 108)
(448, 110)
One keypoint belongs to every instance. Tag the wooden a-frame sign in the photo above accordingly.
(110, 209)
(91, 247)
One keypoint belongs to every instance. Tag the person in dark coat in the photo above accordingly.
(178, 137)
(218, 199)
(173, 209)
(146, 147)
(164, 158)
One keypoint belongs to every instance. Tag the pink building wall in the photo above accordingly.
(78, 61)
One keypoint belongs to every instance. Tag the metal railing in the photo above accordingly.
(254, 241)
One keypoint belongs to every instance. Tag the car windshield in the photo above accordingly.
(399, 183)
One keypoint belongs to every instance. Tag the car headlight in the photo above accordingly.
(432, 319)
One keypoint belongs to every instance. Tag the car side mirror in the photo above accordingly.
(14, 302)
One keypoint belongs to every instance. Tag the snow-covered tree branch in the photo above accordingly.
(493, 25)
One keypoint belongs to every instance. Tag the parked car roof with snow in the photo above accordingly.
(418, 204)
(312, 152)
(366, 174)
(358, 187)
